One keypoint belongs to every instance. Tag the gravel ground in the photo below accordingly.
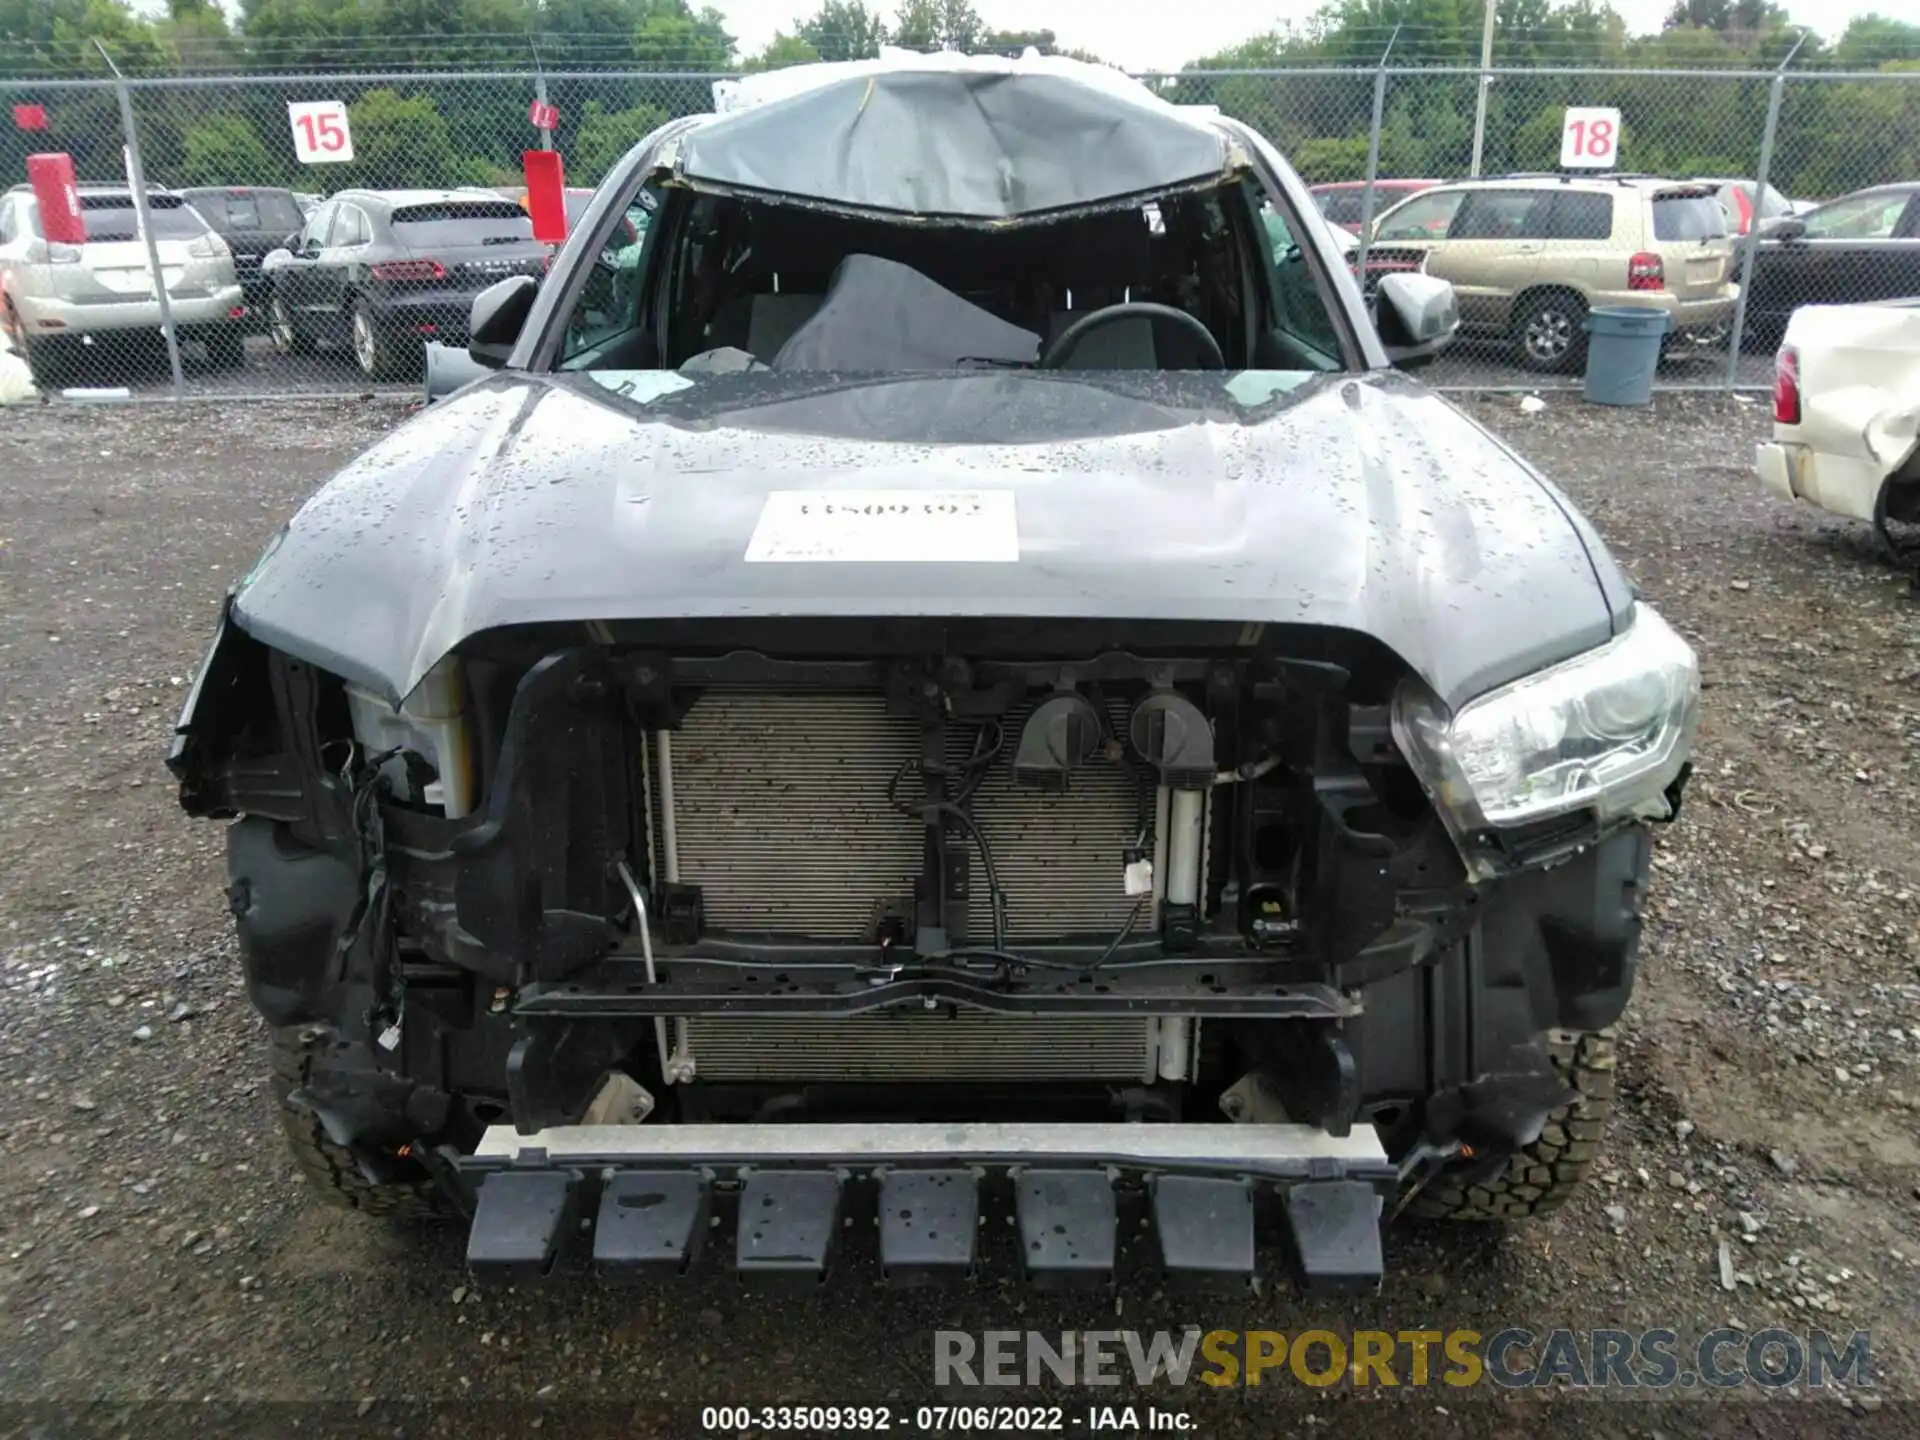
(156, 1244)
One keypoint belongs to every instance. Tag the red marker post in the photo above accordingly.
(54, 186)
(546, 195)
(29, 117)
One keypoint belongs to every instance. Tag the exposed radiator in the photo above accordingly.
(902, 1044)
(782, 819)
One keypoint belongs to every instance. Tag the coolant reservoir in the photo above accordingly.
(433, 722)
(438, 708)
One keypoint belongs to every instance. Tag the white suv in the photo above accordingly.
(57, 298)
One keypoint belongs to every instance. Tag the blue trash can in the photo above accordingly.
(1623, 351)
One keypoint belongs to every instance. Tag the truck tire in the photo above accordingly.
(1539, 1178)
(330, 1169)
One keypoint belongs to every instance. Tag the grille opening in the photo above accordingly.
(782, 817)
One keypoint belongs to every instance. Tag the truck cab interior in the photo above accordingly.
(1185, 280)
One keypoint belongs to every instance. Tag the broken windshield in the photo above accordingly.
(1190, 279)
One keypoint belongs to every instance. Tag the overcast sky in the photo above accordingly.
(1165, 34)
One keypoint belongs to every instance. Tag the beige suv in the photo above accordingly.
(1530, 255)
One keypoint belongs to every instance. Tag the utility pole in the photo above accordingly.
(1750, 242)
(1373, 158)
(143, 214)
(540, 88)
(1486, 84)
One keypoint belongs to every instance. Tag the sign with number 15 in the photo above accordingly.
(320, 132)
(1590, 138)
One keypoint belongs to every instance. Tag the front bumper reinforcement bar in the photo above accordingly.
(934, 1200)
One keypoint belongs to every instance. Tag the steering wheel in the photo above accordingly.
(1069, 339)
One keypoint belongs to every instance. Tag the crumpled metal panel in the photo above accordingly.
(972, 138)
(1859, 378)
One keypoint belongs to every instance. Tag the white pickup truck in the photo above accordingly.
(1846, 414)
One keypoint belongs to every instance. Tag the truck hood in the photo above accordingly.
(1360, 502)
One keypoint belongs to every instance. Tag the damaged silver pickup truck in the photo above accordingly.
(951, 703)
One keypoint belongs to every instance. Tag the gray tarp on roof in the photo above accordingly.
(973, 143)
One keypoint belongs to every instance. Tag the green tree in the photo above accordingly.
(56, 36)
(1746, 17)
(129, 38)
(938, 25)
(24, 22)
(844, 30)
(674, 37)
(400, 142)
(916, 25)
(197, 36)
(296, 35)
(961, 25)
(783, 50)
(227, 150)
(605, 136)
(1837, 137)
(1872, 40)
(1016, 42)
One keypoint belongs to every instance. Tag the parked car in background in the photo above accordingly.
(254, 220)
(57, 300)
(1744, 213)
(1530, 255)
(1861, 247)
(1342, 200)
(577, 202)
(307, 201)
(578, 198)
(385, 270)
(1846, 414)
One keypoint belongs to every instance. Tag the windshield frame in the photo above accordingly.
(538, 349)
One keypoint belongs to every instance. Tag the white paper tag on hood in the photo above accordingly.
(915, 527)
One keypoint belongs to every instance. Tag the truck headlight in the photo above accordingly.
(1606, 731)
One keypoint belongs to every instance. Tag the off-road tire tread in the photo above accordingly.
(1539, 1179)
(330, 1169)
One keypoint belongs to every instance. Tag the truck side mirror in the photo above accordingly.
(499, 314)
(1417, 317)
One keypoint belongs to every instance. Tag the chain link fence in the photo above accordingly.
(1724, 198)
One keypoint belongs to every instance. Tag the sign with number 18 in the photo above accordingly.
(1590, 138)
(321, 135)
